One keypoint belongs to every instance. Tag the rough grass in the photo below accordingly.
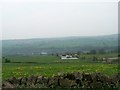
(51, 65)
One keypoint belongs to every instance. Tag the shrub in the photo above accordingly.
(7, 60)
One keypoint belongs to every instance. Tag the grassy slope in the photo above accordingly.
(58, 44)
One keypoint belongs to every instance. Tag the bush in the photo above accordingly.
(7, 60)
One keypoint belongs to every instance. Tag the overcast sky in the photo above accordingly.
(58, 19)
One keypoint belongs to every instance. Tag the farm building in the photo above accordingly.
(63, 57)
(110, 60)
(44, 53)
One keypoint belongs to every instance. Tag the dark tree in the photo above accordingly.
(7, 60)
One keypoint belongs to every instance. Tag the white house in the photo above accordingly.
(63, 57)
(44, 53)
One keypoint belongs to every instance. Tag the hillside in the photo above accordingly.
(65, 44)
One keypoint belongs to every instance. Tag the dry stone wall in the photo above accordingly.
(65, 80)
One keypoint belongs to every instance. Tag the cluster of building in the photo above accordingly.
(67, 56)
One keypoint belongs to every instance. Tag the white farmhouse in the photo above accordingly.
(65, 57)
(44, 53)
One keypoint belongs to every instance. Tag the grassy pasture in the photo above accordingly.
(51, 65)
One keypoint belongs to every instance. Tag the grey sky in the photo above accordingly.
(58, 19)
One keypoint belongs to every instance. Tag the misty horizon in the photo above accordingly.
(61, 37)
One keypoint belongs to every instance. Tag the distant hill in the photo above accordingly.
(55, 45)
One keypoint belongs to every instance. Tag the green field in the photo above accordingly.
(51, 65)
